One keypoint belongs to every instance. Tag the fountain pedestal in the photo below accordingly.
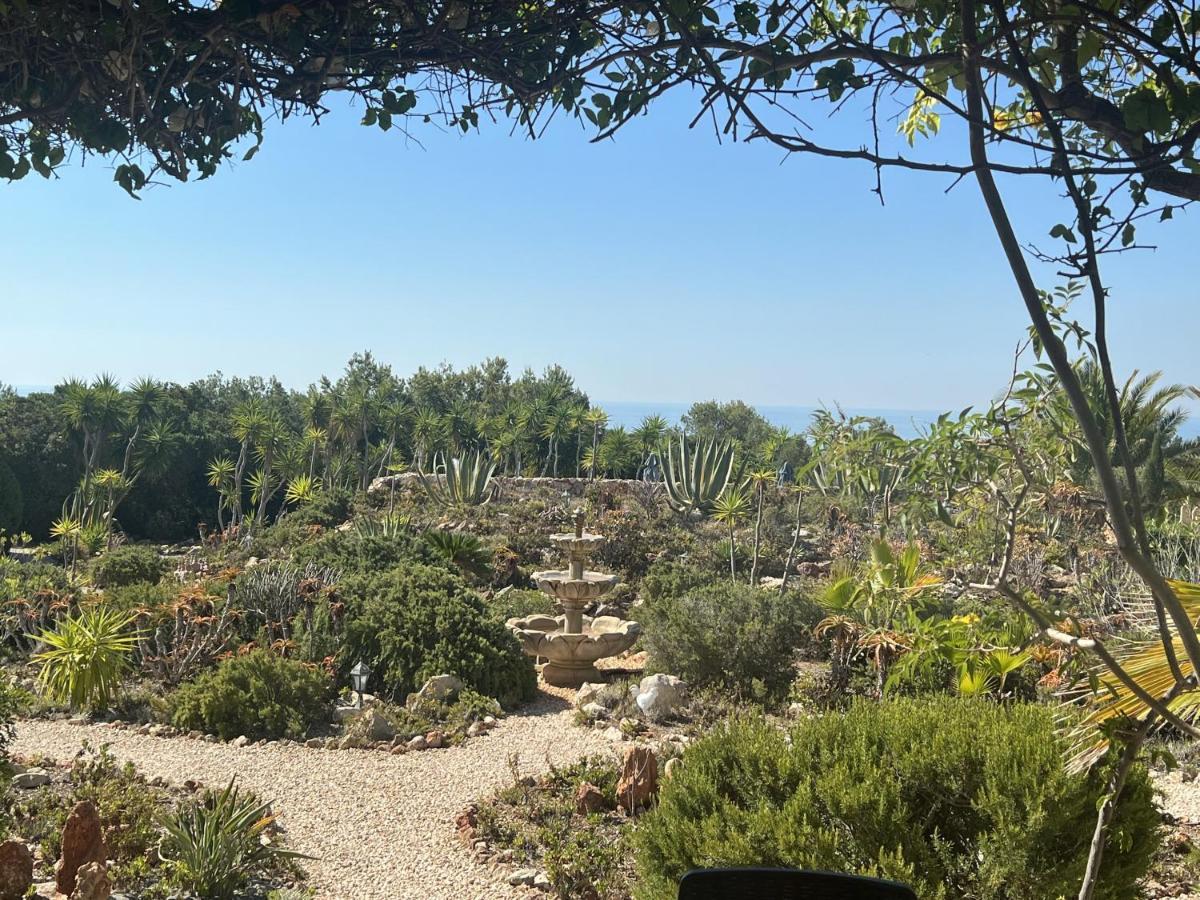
(573, 642)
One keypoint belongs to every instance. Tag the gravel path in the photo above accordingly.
(382, 826)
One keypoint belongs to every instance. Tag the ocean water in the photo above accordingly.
(908, 423)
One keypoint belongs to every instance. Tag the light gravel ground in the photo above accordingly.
(381, 825)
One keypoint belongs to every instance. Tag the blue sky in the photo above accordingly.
(658, 266)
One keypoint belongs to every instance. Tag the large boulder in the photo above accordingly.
(660, 696)
(82, 843)
(638, 784)
(438, 689)
(16, 870)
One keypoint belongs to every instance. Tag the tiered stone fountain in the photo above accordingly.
(571, 643)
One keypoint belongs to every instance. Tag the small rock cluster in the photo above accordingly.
(80, 874)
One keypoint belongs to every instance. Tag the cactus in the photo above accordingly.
(464, 482)
(697, 476)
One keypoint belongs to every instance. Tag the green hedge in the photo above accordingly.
(956, 798)
(415, 621)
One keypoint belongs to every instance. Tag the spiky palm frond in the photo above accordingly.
(1146, 664)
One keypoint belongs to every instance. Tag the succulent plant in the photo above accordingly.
(697, 476)
(462, 482)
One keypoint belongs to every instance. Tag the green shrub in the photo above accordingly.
(127, 565)
(86, 657)
(957, 798)
(350, 552)
(416, 621)
(260, 695)
(727, 635)
(668, 578)
(515, 603)
(141, 596)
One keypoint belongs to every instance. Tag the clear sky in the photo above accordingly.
(657, 266)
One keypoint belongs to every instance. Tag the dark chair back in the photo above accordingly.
(787, 884)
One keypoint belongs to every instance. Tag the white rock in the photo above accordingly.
(31, 778)
(588, 692)
(659, 696)
(522, 876)
(541, 881)
(418, 743)
(240, 741)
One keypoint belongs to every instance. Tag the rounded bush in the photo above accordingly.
(733, 636)
(350, 552)
(128, 565)
(956, 798)
(416, 621)
(260, 695)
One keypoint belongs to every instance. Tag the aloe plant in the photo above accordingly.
(697, 476)
(462, 482)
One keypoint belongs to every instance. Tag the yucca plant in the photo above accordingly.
(302, 488)
(86, 656)
(729, 509)
(697, 476)
(465, 481)
(463, 550)
(214, 845)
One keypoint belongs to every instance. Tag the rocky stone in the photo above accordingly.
(16, 870)
(639, 778)
(372, 726)
(475, 729)
(82, 843)
(435, 739)
(418, 743)
(211, 738)
(588, 692)
(594, 711)
(522, 876)
(439, 688)
(31, 778)
(670, 767)
(541, 881)
(92, 883)
(660, 695)
(614, 734)
(489, 721)
(315, 743)
(240, 741)
(589, 799)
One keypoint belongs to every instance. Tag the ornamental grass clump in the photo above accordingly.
(957, 798)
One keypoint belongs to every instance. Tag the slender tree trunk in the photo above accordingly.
(732, 563)
(264, 490)
(791, 557)
(757, 532)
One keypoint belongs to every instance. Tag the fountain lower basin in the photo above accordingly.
(572, 655)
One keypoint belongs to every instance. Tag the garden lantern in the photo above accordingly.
(358, 677)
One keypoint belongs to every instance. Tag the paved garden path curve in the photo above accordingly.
(381, 825)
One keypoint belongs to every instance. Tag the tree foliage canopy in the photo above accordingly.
(177, 87)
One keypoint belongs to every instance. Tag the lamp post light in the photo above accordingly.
(358, 677)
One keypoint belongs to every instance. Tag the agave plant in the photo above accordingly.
(216, 844)
(86, 656)
(463, 550)
(462, 482)
(389, 525)
(697, 476)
